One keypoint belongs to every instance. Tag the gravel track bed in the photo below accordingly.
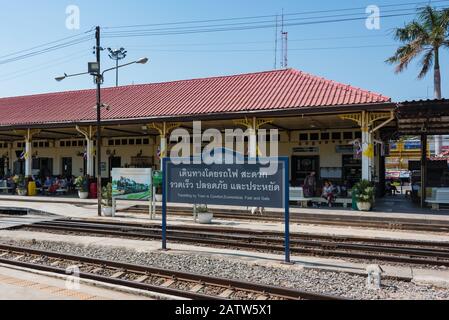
(321, 282)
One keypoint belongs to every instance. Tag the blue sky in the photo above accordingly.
(328, 50)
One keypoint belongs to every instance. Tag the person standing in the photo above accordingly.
(310, 185)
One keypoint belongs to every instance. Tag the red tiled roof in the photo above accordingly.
(273, 90)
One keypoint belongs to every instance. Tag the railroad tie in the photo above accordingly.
(226, 294)
(168, 283)
(142, 279)
(118, 274)
(54, 264)
(197, 288)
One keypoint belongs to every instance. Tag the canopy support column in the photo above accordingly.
(423, 170)
(89, 134)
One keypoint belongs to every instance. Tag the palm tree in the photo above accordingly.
(424, 36)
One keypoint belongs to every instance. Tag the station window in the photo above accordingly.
(118, 142)
(35, 144)
(336, 135)
(325, 136)
(347, 136)
(303, 137)
(110, 143)
(80, 143)
(138, 141)
(124, 142)
(132, 142)
(41, 144)
(62, 143)
(314, 137)
(146, 141)
(358, 135)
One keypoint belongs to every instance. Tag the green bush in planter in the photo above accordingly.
(82, 184)
(364, 191)
(106, 195)
(202, 209)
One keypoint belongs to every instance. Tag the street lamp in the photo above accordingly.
(95, 70)
(117, 55)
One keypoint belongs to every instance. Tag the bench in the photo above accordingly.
(61, 191)
(439, 196)
(297, 194)
(4, 187)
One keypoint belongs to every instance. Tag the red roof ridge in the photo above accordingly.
(340, 84)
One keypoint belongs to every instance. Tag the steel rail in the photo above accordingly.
(327, 248)
(271, 291)
(306, 218)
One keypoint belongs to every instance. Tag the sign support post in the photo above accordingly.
(287, 209)
(164, 204)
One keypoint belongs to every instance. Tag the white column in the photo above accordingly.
(90, 158)
(28, 158)
(163, 149)
(366, 160)
(253, 140)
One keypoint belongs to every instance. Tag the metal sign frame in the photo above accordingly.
(286, 163)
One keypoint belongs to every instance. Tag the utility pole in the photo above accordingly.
(99, 80)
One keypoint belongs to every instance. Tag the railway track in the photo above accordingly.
(392, 223)
(168, 282)
(388, 250)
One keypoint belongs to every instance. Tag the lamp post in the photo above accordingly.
(94, 69)
(117, 55)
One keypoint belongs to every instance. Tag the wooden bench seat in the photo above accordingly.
(440, 196)
(4, 187)
(297, 195)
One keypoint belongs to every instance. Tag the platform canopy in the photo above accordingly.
(426, 117)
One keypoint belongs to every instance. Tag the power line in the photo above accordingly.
(270, 50)
(44, 45)
(208, 29)
(268, 16)
(45, 50)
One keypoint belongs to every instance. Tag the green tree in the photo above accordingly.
(423, 37)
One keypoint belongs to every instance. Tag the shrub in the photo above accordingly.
(106, 195)
(82, 184)
(364, 191)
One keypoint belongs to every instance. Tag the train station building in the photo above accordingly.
(338, 131)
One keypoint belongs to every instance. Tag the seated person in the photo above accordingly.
(48, 183)
(328, 193)
(344, 189)
(391, 189)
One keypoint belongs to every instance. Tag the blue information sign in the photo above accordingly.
(260, 183)
(227, 184)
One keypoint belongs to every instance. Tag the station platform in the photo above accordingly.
(388, 207)
(20, 284)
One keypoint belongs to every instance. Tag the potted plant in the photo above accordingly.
(82, 185)
(364, 195)
(157, 182)
(106, 200)
(20, 183)
(203, 214)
